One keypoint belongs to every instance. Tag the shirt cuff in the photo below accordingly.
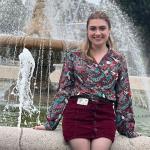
(47, 126)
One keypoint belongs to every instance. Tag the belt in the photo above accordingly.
(92, 98)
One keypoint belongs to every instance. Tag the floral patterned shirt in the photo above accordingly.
(108, 79)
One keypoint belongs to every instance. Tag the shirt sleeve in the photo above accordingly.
(66, 82)
(125, 122)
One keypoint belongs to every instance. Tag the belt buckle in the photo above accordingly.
(82, 101)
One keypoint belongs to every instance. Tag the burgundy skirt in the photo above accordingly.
(95, 120)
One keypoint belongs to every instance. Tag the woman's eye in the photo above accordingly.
(92, 28)
(102, 28)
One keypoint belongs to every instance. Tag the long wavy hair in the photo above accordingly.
(86, 46)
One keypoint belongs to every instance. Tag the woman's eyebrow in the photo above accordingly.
(102, 26)
(97, 26)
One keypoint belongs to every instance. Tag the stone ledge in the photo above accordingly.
(11, 72)
(13, 138)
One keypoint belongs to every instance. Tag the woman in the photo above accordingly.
(94, 94)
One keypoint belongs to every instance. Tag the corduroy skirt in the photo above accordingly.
(95, 120)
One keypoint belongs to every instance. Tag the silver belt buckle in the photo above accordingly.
(82, 101)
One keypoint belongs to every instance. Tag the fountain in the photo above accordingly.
(53, 27)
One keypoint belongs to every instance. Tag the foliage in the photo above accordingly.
(139, 10)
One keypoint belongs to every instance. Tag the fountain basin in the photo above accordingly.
(136, 82)
(11, 72)
(13, 138)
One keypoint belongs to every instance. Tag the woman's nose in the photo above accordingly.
(97, 31)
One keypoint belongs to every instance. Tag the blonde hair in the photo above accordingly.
(97, 15)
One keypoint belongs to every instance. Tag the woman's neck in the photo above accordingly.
(98, 50)
(98, 53)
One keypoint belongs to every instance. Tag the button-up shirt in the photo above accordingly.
(108, 79)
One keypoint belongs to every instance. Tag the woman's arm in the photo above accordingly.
(66, 83)
(124, 112)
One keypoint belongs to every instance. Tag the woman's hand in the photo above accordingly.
(39, 127)
(133, 134)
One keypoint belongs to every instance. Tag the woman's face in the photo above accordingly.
(98, 32)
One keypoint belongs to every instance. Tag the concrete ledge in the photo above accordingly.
(11, 72)
(140, 83)
(13, 138)
(9, 138)
(136, 82)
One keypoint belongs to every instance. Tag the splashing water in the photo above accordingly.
(22, 88)
(127, 41)
(27, 66)
(24, 1)
(68, 19)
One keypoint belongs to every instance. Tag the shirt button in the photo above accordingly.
(96, 107)
(96, 65)
(123, 117)
(95, 115)
(94, 122)
(95, 129)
